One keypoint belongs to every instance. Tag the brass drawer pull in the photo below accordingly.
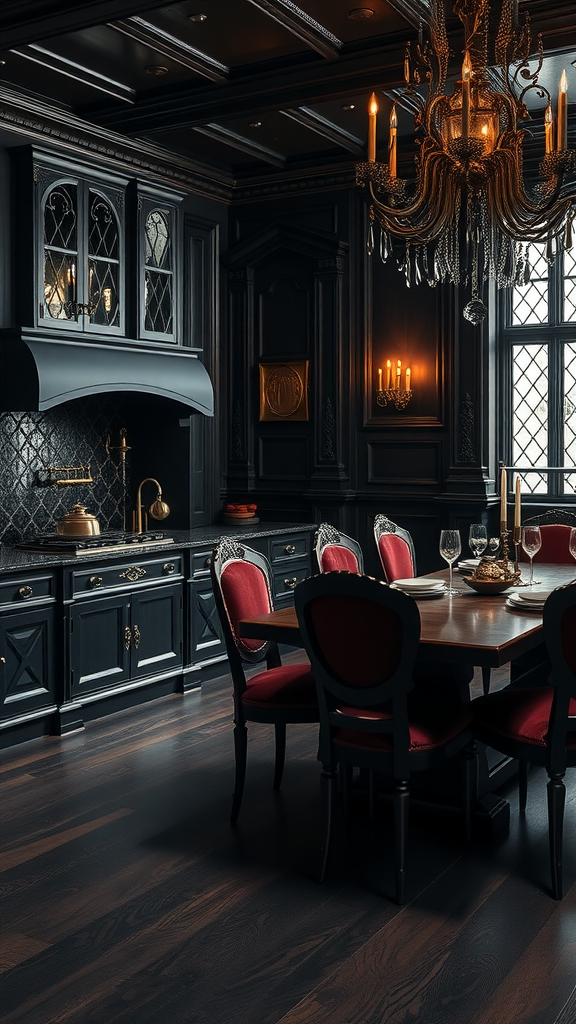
(290, 549)
(25, 592)
(136, 636)
(133, 573)
(168, 568)
(208, 562)
(2, 661)
(291, 584)
(95, 581)
(127, 637)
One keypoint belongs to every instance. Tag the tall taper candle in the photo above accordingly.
(503, 515)
(562, 129)
(549, 129)
(372, 112)
(380, 380)
(466, 72)
(388, 374)
(392, 142)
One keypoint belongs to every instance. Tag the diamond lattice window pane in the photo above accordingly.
(59, 285)
(569, 295)
(530, 302)
(104, 293)
(530, 412)
(104, 236)
(157, 233)
(60, 217)
(569, 418)
(158, 302)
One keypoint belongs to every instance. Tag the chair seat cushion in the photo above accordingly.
(430, 727)
(289, 686)
(521, 715)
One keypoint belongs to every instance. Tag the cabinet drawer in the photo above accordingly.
(289, 546)
(124, 576)
(201, 561)
(285, 581)
(26, 590)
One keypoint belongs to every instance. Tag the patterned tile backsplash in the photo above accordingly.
(74, 434)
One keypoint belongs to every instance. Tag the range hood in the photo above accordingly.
(39, 372)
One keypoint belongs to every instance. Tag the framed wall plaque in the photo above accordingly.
(284, 391)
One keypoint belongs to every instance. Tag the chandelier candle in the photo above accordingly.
(549, 129)
(466, 72)
(372, 112)
(392, 142)
(562, 111)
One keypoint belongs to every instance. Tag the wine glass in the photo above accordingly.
(450, 548)
(477, 539)
(531, 543)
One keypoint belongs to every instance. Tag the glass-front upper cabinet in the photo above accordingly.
(81, 272)
(159, 232)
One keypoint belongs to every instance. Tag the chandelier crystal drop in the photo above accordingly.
(469, 217)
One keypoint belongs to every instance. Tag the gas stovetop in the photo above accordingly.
(103, 542)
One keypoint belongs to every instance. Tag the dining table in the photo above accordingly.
(480, 630)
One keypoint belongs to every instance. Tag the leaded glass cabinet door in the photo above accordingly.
(159, 306)
(81, 245)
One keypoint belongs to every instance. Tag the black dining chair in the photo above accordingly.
(362, 638)
(395, 549)
(280, 694)
(537, 724)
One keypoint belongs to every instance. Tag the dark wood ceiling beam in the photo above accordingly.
(301, 25)
(78, 72)
(300, 86)
(169, 46)
(416, 12)
(30, 21)
(327, 129)
(215, 131)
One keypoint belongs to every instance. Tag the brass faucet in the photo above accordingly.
(158, 509)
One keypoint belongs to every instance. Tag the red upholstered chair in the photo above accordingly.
(335, 552)
(280, 694)
(538, 724)
(362, 639)
(555, 526)
(395, 549)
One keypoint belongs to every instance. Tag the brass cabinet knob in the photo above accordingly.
(2, 661)
(95, 581)
(168, 568)
(208, 562)
(136, 637)
(290, 549)
(127, 638)
(25, 592)
(291, 584)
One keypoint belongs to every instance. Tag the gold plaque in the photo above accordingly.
(284, 391)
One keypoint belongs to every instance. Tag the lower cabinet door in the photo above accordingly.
(206, 641)
(27, 678)
(100, 644)
(156, 631)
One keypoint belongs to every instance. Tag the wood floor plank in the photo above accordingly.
(12, 858)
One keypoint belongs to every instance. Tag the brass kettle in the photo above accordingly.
(78, 523)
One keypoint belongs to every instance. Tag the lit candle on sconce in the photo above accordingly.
(392, 142)
(562, 130)
(549, 129)
(398, 373)
(408, 378)
(466, 73)
(380, 379)
(372, 112)
(388, 374)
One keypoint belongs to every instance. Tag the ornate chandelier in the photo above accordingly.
(468, 217)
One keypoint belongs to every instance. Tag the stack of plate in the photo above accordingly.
(420, 586)
(528, 600)
(467, 566)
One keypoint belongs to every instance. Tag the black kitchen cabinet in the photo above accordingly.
(27, 648)
(206, 643)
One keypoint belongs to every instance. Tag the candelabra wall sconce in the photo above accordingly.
(394, 392)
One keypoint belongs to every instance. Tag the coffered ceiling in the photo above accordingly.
(236, 87)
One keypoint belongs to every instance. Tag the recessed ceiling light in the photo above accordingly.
(359, 13)
(197, 17)
(255, 124)
(156, 69)
(348, 106)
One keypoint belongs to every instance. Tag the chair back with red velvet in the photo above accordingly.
(362, 640)
(242, 585)
(555, 549)
(395, 548)
(335, 552)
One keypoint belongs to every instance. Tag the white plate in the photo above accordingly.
(515, 601)
(419, 583)
(420, 594)
(469, 563)
(533, 596)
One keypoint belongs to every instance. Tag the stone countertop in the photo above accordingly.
(15, 560)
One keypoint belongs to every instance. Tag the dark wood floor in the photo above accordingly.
(128, 898)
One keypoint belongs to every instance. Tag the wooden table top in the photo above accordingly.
(478, 630)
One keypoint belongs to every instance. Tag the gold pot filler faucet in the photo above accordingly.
(158, 509)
